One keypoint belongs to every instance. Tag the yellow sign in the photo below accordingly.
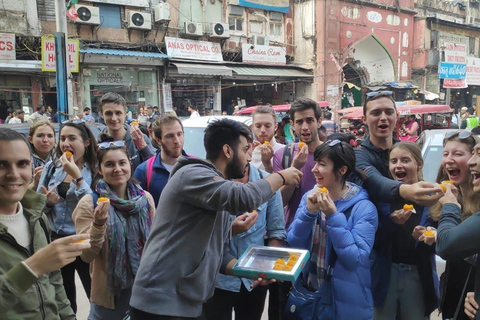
(48, 55)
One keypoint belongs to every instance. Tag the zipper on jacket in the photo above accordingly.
(10, 239)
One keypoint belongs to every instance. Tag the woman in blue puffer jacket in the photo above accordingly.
(341, 222)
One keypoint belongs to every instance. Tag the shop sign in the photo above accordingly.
(452, 70)
(455, 53)
(193, 49)
(109, 76)
(7, 46)
(130, 3)
(264, 54)
(473, 71)
(48, 55)
(455, 83)
(271, 5)
(167, 97)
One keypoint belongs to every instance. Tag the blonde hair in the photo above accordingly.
(415, 151)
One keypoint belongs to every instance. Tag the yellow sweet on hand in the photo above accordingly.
(408, 207)
(301, 144)
(134, 123)
(447, 182)
(266, 143)
(80, 241)
(68, 154)
(429, 233)
(323, 190)
(444, 189)
(102, 199)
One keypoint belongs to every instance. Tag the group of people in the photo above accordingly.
(154, 234)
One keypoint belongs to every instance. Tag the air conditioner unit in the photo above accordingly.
(162, 12)
(219, 30)
(193, 28)
(139, 20)
(261, 40)
(469, 20)
(87, 14)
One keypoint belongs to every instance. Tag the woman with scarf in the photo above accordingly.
(118, 229)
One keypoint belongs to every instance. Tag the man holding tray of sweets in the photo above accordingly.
(237, 293)
(188, 243)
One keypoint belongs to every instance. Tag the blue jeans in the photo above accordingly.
(404, 288)
(121, 311)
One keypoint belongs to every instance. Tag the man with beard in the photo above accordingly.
(188, 243)
(264, 125)
(153, 173)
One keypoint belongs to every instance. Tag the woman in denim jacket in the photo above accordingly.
(64, 181)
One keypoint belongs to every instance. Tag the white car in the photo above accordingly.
(194, 129)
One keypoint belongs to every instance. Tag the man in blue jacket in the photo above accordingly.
(153, 174)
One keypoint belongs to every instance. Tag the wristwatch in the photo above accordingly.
(76, 181)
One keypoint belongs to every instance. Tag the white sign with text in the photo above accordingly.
(264, 54)
(49, 63)
(7, 46)
(193, 49)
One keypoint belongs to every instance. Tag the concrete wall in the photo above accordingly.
(20, 17)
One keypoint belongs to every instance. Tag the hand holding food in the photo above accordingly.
(301, 145)
(68, 154)
(407, 207)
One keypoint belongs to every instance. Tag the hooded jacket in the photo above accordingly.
(22, 296)
(188, 242)
(352, 239)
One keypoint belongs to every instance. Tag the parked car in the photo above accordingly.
(194, 129)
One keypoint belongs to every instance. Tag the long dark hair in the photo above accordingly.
(90, 155)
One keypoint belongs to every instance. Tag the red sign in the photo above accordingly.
(455, 83)
(7, 46)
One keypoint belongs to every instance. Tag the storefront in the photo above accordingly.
(136, 76)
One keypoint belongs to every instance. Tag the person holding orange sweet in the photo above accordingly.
(117, 216)
(337, 223)
(404, 267)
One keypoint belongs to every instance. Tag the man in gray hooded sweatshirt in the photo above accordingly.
(188, 243)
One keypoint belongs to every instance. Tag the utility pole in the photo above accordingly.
(63, 75)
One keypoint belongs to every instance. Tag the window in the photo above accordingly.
(235, 24)
(471, 45)
(256, 27)
(109, 16)
(275, 29)
(276, 16)
(236, 11)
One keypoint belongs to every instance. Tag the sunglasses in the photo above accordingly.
(111, 144)
(461, 134)
(74, 122)
(334, 143)
(373, 94)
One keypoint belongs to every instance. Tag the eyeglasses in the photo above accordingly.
(111, 144)
(373, 94)
(74, 122)
(335, 142)
(461, 134)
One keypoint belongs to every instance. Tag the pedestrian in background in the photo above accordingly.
(41, 137)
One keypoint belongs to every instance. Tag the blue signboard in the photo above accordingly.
(452, 70)
(271, 5)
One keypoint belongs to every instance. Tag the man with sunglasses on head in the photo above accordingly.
(113, 109)
(372, 158)
(188, 243)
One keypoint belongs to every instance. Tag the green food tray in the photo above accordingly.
(258, 262)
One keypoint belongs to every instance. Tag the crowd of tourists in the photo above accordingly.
(154, 232)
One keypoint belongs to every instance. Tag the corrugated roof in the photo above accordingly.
(274, 72)
(124, 53)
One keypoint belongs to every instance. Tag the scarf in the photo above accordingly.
(128, 226)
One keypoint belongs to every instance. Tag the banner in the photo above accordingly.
(271, 5)
(452, 70)
(473, 71)
(264, 54)
(455, 83)
(49, 63)
(7, 46)
(193, 49)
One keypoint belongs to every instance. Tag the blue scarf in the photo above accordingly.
(128, 226)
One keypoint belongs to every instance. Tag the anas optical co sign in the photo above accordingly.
(48, 55)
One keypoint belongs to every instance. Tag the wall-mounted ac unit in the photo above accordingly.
(193, 28)
(469, 20)
(139, 20)
(261, 40)
(162, 12)
(219, 30)
(87, 14)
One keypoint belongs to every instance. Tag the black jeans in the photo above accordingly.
(277, 299)
(68, 275)
(136, 314)
(248, 305)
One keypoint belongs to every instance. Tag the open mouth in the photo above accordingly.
(400, 174)
(453, 173)
(476, 177)
(383, 126)
(305, 137)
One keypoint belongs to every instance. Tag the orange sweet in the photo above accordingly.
(80, 241)
(408, 207)
(291, 263)
(102, 199)
(444, 189)
(280, 262)
(429, 233)
(266, 143)
(134, 123)
(68, 154)
(323, 190)
(293, 257)
(301, 144)
(278, 267)
(447, 181)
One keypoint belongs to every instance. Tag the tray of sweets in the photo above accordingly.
(271, 263)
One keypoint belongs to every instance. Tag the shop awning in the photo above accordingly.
(122, 57)
(272, 72)
(203, 69)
